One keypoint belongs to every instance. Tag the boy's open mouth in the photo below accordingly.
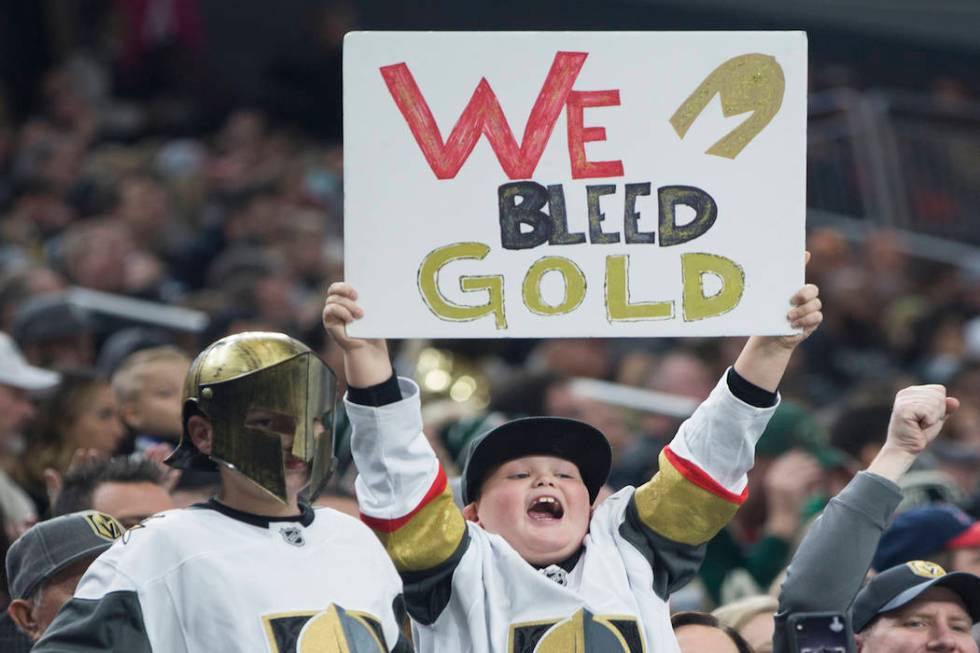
(545, 508)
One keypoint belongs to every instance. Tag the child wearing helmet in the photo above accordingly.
(255, 568)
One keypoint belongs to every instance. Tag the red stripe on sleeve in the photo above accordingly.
(699, 477)
(392, 525)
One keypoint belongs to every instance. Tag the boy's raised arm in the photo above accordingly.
(701, 480)
(402, 490)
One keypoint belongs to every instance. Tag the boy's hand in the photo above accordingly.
(805, 315)
(341, 309)
(917, 417)
(365, 360)
(764, 358)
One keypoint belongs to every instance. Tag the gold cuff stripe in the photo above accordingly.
(675, 508)
(429, 538)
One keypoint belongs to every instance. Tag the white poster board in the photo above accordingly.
(603, 184)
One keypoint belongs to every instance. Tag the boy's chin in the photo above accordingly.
(549, 552)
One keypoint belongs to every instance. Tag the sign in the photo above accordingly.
(603, 184)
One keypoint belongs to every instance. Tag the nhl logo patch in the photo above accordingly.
(556, 574)
(293, 535)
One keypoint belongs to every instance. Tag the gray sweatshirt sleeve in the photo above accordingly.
(834, 556)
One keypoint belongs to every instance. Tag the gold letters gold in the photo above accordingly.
(697, 306)
(428, 282)
(618, 306)
(574, 285)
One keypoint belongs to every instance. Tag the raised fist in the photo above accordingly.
(918, 416)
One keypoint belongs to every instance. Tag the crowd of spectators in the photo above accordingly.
(244, 224)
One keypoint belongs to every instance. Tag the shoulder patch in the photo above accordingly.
(104, 525)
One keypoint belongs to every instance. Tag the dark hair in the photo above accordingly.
(680, 619)
(859, 426)
(81, 483)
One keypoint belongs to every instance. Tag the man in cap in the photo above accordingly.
(916, 606)
(18, 379)
(910, 608)
(45, 564)
(255, 568)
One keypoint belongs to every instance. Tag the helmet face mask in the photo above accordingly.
(269, 374)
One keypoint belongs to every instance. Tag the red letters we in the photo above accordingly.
(483, 115)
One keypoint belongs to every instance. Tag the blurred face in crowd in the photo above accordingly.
(303, 244)
(155, 407)
(936, 621)
(562, 402)
(966, 559)
(131, 503)
(682, 374)
(74, 351)
(143, 207)
(16, 409)
(588, 357)
(33, 616)
(539, 504)
(16, 286)
(46, 211)
(695, 638)
(97, 256)
(678, 373)
(41, 280)
(96, 424)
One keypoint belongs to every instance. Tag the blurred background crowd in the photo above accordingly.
(171, 172)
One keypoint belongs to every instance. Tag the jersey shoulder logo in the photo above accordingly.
(334, 630)
(103, 525)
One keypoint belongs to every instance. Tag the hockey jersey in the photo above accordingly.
(468, 591)
(210, 578)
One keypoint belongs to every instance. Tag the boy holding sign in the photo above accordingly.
(529, 564)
